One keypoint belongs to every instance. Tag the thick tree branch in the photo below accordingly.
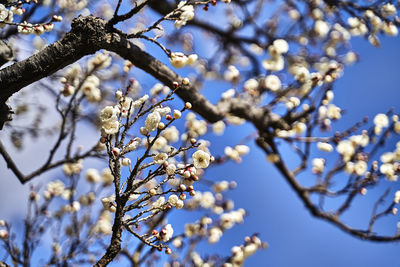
(89, 34)
(86, 34)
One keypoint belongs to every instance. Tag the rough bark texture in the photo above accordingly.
(85, 38)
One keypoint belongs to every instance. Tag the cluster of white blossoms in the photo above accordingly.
(186, 13)
(37, 29)
(55, 189)
(222, 186)
(229, 219)
(6, 15)
(381, 121)
(276, 62)
(109, 203)
(109, 120)
(328, 111)
(370, 24)
(72, 168)
(391, 164)
(165, 234)
(232, 74)
(180, 60)
(203, 227)
(297, 128)
(388, 27)
(90, 88)
(176, 201)
(347, 148)
(159, 88)
(100, 60)
(71, 79)
(358, 168)
(90, 84)
(240, 253)
(237, 152)
(195, 128)
(104, 224)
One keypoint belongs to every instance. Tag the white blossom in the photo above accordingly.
(333, 112)
(242, 149)
(349, 168)
(201, 159)
(177, 114)
(397, 197)
(163, 111)
(326, 147)
(321, 28)
(360, 140)
(273, 83)
(360, 167)
(171, 168)
(186, 15)
(152, 121)
(381, 120)
(110, 127)
(221, 186)
(167, 233)
(126, 162)
(251, 85)
(281, 46)
(159, 203)
(55, 188)
(173, 199)
(160, 158)
(388, 170)
(99, 61)
(137, 103)
(346, 149)
(92, 176)
(215, 234)
(72, 168)
(171, 134)
(232, 74)
(387, 157)
(108, 203)
(219, 127)
(275, 64)
(318, 165)
(207, 200)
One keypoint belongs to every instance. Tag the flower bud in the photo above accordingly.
(185, 81)
(115, 151)
(153, 192)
